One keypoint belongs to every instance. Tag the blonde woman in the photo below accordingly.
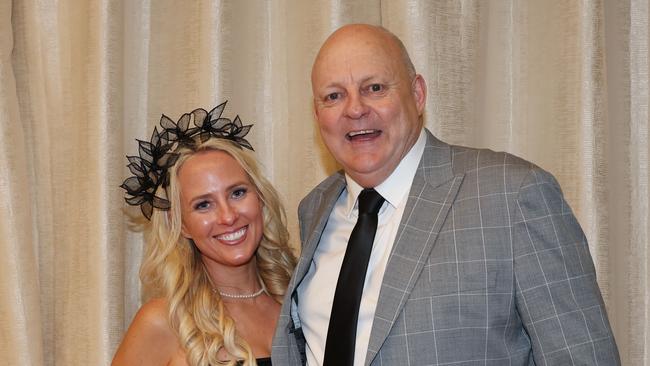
(218, 247)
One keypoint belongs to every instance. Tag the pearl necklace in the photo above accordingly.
(240, 296)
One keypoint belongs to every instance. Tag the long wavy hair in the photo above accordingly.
(173, 264)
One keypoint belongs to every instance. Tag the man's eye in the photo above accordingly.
(332, 97)
(376, 88)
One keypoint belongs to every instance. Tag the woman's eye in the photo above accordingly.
(202, 205)
(239, 193)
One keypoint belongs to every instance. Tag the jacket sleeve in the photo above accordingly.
(557, 295)
(305, 216)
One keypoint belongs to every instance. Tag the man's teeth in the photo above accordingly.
(233, 236)
(362, 132)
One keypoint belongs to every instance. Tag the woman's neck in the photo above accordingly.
(240, 280)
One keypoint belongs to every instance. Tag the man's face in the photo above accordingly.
(367, 106)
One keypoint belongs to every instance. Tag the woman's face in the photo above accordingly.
(220, 209)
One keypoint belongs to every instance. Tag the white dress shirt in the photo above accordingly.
(316, 291)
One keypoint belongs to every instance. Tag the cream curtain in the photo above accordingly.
(562, 83)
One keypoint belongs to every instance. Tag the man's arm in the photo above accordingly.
(557, 294)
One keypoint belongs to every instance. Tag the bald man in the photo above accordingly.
(476, 258)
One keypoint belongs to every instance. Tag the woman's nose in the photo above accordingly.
(226, 214)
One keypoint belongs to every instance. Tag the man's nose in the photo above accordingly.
(356, 106)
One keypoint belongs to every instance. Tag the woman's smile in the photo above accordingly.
(233, 237)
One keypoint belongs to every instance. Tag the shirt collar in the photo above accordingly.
(396, 187)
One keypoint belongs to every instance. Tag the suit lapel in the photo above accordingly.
(314, 222)
(314, 228)
(433, 190)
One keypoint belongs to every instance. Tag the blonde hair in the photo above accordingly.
(173, 263)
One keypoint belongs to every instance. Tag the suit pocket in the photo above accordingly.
(473, 277)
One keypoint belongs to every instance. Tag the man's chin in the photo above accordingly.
(368, 175)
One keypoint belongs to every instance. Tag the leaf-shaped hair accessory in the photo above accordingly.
(151, 168)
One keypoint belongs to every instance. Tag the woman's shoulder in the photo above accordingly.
(153, 315)
(151, 321)
(149, 334)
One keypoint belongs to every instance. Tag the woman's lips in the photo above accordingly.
(233, 237)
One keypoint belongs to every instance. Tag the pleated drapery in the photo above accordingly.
(561, 83)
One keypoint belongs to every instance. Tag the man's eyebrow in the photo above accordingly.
(363, 80)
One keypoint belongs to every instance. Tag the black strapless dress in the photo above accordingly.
(260, 361)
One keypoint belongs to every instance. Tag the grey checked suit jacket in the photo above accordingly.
(489, 267)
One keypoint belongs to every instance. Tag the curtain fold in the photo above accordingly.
(638, 158)
(19, 303)
(561, 83)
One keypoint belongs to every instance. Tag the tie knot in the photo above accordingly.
(370, 201)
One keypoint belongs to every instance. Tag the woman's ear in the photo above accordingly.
(185, 233)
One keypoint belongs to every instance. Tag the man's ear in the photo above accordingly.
(419, 89)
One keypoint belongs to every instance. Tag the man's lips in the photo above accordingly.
(362, 135)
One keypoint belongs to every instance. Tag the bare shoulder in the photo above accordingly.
(149, 339)
(153, 316)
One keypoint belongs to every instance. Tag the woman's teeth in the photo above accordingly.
(236, 235)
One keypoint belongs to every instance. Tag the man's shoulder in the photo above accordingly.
(466, 160)
(482, 166)
(335, 180)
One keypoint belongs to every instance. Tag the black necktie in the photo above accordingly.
(342, 331)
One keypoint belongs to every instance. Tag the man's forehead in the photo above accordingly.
(356, 65)
(351, 70)
(362, 59)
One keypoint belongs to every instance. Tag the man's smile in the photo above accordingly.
(362, 135)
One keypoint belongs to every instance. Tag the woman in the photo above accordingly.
(218, 250)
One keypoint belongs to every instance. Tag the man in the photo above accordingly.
(476, 258)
